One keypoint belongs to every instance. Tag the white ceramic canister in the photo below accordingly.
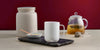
(26, 19)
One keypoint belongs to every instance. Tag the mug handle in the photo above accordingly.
(86, 22)
(63, 29)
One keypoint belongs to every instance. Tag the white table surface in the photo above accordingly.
(8, 41)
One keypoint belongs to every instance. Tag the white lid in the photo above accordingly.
(75, 15)
(23, 9)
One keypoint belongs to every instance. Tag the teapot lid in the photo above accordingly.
(75, 15)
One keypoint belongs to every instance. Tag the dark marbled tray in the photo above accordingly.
(41, 40)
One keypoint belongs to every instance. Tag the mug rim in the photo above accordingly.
(52, 22)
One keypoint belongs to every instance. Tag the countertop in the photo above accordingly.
(90, 41)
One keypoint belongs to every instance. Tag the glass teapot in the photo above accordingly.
(76, 24)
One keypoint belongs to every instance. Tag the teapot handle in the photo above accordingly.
(86, 22)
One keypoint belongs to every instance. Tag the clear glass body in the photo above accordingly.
(75, 25)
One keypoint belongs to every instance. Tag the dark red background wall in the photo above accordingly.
(48, 10)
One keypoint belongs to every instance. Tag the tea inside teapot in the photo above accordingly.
(72, 28)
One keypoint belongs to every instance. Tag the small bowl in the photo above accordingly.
(34, 35)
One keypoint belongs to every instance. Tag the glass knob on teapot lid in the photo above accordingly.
(75, 13)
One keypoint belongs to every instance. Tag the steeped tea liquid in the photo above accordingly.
(72, 28)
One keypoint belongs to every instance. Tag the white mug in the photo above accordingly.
(52, 31)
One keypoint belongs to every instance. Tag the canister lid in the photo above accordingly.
(24, 9)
